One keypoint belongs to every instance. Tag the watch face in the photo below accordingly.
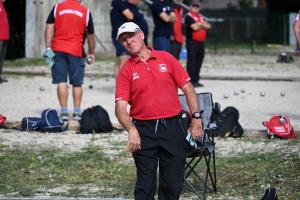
(197, 115)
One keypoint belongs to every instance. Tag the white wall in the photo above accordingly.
(37, 12)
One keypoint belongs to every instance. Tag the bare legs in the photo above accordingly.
(62, 93)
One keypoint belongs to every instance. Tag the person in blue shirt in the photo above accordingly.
(119, 14)
(138, 17)
(163, 17)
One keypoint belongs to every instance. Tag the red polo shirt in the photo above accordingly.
(198, 35)
(71, 20)
(177, 25)
(4, 26)
(151, 87)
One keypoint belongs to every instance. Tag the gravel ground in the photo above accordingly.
(22, 97)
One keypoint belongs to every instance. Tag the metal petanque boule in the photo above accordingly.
(91, 86)
(107, 78)
(262, 94)
(225, 96)
(236, 92)
(282, 94)
(92, 78)
(243, 90)
(42, 88)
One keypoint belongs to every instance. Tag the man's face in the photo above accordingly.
(133, 42)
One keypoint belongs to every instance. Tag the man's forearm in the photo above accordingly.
(124, 119)
(91, 43)
(48, 37)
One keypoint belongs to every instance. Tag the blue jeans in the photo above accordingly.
(162, 43)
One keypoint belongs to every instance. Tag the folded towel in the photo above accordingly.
(49, 55)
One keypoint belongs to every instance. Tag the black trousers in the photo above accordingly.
(175, 49)
(163, 142)
(3, 46)
(195, 54)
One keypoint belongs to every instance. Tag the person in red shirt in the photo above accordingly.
(177, 37)
(68, 25)
(4, 37)
(149, 82)
(196, 27)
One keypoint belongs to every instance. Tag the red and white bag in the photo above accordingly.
(279, 125)
(2, 120)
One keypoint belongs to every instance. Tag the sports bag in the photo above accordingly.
(270, 194)
(31, 124)
(228, 124)
(50, 122)
(95, 120)
(2, 120)
(279, 126)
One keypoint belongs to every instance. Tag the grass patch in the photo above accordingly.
(91, 173)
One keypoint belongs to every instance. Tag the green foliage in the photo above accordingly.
(91, 174)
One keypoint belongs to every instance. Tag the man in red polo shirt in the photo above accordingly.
(177, 37)
(149, 83)
(71, 23)
(4, 37)
(196, 27)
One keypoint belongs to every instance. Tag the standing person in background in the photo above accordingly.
(296, 27)
(4, 37)
(156, 136)
(163, 16)
(177, 37)
(138, 17)
(196, 28)
(119, 14)
(69, 30)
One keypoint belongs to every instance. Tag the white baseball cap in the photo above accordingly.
(128, 27)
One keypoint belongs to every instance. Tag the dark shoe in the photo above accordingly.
(2, 80)
(196, 84)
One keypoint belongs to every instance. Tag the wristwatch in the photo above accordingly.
(196, 115)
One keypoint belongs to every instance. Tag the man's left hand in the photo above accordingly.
(196, 129)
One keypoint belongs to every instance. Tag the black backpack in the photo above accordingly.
(227, 123)
(95, 120)
(270, 194)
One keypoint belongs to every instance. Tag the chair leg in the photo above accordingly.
(208, 173)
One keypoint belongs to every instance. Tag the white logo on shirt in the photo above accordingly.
(70, 11)
(162, 67)
(135, 76)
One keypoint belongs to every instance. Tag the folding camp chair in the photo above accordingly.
(205, 151)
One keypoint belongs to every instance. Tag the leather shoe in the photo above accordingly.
(2, 80)
(196, 84)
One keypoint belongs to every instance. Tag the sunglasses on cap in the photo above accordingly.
(196, 5)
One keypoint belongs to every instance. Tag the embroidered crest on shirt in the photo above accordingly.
(162, 67)
(135, 76)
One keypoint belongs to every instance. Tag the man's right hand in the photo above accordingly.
(90, 59)
(134, 141)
